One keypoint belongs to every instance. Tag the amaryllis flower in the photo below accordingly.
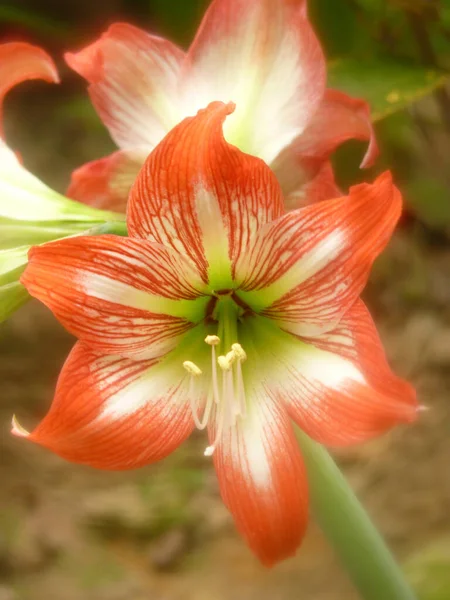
(224, 312)
(260, 54)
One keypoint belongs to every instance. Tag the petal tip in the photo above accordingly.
(223, 108)
(17, 429)
(87, 62)
(385, 179)
(371, 155)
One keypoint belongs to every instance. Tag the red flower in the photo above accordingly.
(260, 54)
(222, 311)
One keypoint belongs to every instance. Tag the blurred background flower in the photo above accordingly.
(72, 534)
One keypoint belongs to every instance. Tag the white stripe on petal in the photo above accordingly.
(215, 237)
(328, 369)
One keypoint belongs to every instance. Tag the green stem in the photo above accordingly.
(349, 529)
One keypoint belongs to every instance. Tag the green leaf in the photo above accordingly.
(178, 20)
(388, 86)
(35, 22)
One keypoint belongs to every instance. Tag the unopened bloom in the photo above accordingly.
(260, 54)
(30, 212)
(224, 312)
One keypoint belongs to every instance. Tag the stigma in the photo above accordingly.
(226, 400)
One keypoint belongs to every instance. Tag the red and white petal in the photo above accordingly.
(118, 295)
(340, 390)
(263, 482)
(19, 62)
(133, 80)
(305, 182)
(356, 339)
(202, 196)
(264, 57)
(106, 183)
(322, 187)
(308, 268)
(303, 168)
(338, 119)
(114, 413)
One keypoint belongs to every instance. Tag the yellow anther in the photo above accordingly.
(212, 340)
(231, 357)
(224, 362)
(239, 352)
(192, 368)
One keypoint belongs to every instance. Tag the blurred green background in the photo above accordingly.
(162, 533)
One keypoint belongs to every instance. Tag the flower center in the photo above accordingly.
(225, 400)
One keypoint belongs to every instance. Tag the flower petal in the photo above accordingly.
(114, 413)
(309, 267)
(338, 119)
(118, 295)
(338, 387)
(356, 339)
(106, 183)
(133, 81)
(264, 56)
(303, 167)
(263, 480)
(202, 196)
(303, 184)
(21, 62)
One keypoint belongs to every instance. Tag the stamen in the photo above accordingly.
(223, 407)
(241, 408)
(228, 398)
(226, 362)
(223, 363)
(192, 368)
(194, 371)
(239, 352)
(212, 340)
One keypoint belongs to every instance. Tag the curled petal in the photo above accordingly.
(303, 168)
(263, 481)
(339, 390)
(264, 56)
(308, 268)
(114, 413)
(338, 119)
(106, 183)
(20, 62)
(118, 295)
(133, 82)
(202, 196)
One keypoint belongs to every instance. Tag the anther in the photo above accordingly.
(226, 362)
(192, 368)
(231, 357)
(239, 352)
(212, 340)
